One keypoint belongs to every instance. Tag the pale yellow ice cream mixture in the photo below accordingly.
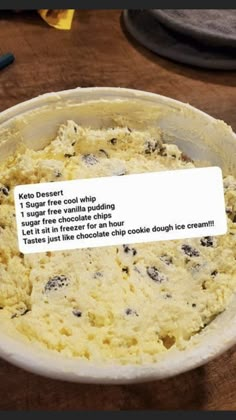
(122, 304)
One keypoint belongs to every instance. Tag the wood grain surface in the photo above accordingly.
(97, 52)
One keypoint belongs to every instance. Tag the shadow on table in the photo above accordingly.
(221, 77)
(29, 17)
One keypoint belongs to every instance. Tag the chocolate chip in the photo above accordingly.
(75, 129)
(58, 174)
(113, 141)
(20, 313)
(90, 159)
(120, 173)
(155, 275)
(55, 283)
(207, 241)
(194, 305)
(190, 251)
(125, 270)
(129, 250)
(231, 214)
(151, 146)
(77, 313)
(97, 275)
(168, 296)
(104, 152)
(204, 286)
(185, 158)
(130, 311)
(74, 142)
(129, 129)
(168, 260)
(69, 155)
(5, 190)
(214, 273)
(162, 151)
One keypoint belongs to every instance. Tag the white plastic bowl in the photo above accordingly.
(199, 135)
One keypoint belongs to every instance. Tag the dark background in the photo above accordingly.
(96, 52)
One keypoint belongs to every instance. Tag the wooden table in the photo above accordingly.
(96, 52)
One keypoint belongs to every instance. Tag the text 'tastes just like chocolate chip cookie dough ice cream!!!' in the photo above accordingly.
(127, 304)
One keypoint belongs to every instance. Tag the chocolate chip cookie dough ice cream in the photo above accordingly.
(126, 304)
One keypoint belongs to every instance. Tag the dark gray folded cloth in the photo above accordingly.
(213, 27)
(204, 38)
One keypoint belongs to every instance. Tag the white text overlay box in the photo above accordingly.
(107, 211)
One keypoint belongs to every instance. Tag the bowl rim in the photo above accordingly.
(106, 93)
(50, 365)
